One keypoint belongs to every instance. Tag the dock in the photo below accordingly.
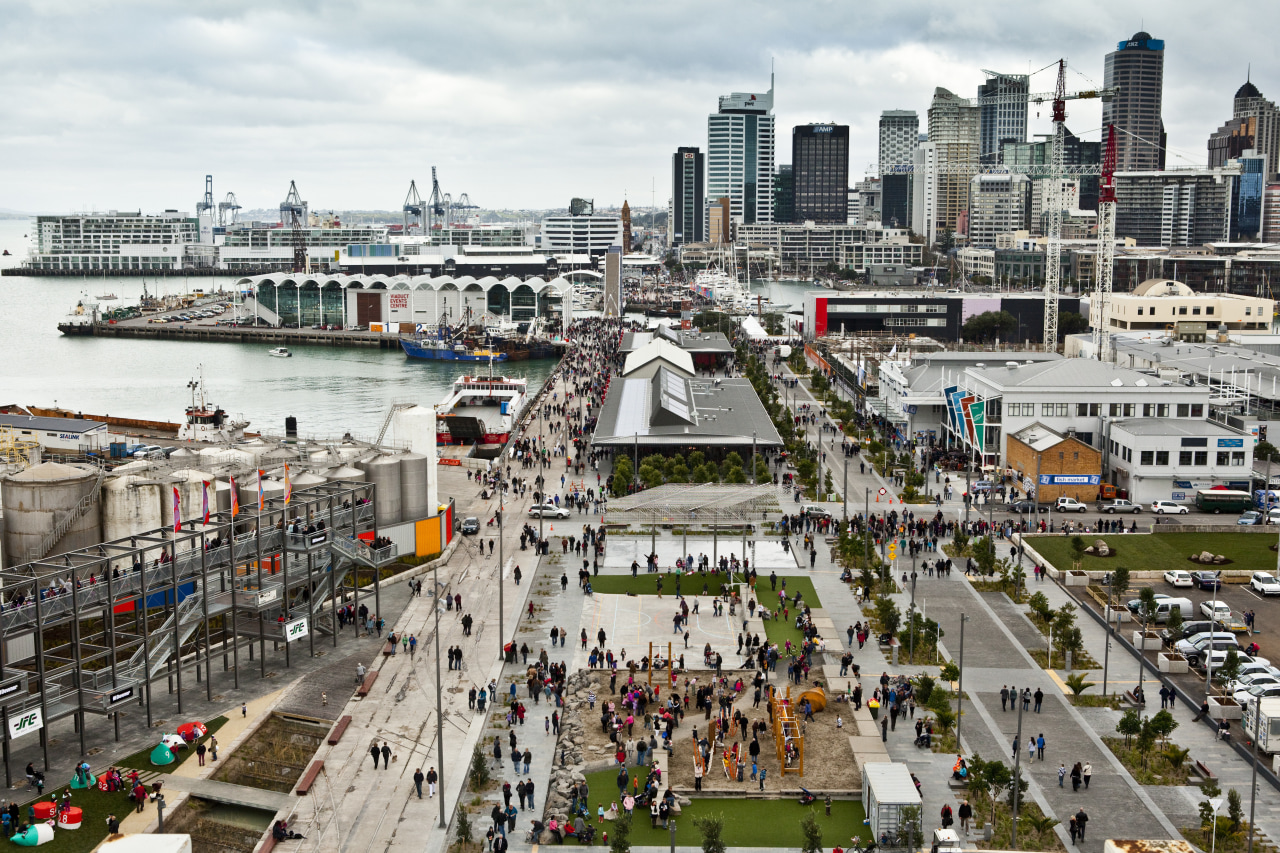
(244, 335)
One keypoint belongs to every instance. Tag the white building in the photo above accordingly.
(588, 234)
(997, 205)
(1164, 459)
(1160, 305)
(977, 262)
(114, 241)
(741, 153)
(899, 137)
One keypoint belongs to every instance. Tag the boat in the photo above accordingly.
(108, 297)
(481, 409)
(6, 253)
(207, 422)
(280, 352)
(438, 349)
(80, 319)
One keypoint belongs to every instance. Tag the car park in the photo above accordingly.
(1264, 583)
(1178, 577)
(1168, 508)
(548, 511)
(1207, 580)
(470, 525)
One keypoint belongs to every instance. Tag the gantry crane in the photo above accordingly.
(1106, 260)
(293, 215)
(413, 209)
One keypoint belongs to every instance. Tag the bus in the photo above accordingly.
(1223, 500)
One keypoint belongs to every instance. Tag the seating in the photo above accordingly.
(363, 690)
(1202, 771)
(339, 728)
(309, 778)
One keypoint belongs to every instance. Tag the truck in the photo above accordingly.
(1223, 500)
(1268, 728)
(1121, 505)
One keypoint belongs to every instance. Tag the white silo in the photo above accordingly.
(415, 478)
(416, 426)
(37, 499)
(130, 506)
(384, 473)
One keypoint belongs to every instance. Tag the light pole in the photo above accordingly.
(439, 707)
(1216, 803)
(960, 681)
(671, 824)
(1208, 654)
(1017, 788)
(501, 506)
(911, 617)
(1253, 781)
(1106, 652)
(844, 489)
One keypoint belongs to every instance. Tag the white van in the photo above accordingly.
(1164, 606)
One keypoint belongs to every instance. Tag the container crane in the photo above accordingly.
(413, 208)
(293, 215)
(1106, 260)
(228, 205)
(437, 205)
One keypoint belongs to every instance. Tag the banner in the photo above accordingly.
(262, 498)
(978, 412)
(177, 511)
(26, 723)
(295, 630)
(966, 419)
(288, 487)
(235, 498)
(204, 500)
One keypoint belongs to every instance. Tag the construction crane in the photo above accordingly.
(413, 208)
(1106, 260)
(228, 205)
(293, 215)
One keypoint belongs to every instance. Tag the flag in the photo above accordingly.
(235, 498)
(262, 499)
(288, 487)
(177, 511)
(204, 501)
(893, 352)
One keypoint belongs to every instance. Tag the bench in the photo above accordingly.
(309, 778)
(1202, 771)
(1132, 699)
(388, 650)
(268, 844)
(958, 784)
(363, 690)
(339, 728)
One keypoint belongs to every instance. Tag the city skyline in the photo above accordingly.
(129, 107)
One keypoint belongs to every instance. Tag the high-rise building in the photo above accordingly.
(1254, 125)
(784, 194)
(687, 218)
(953, 141)
(1075, 152)
(1177, 208)
(1002, 113)
(1246, 198)
(1136, 67)
(997, 205)
(1271, 214)
(741, 155)
(869, 194)
(820, 166)
(899, 138)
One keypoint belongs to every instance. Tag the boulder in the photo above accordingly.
(1088, 550)
(1218, 558)
(1101, 548)
(1205, 557)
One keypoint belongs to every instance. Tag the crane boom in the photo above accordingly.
(1106, 248)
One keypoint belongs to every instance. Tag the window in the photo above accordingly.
(1202, 457)
(1209, 310)
(1114, 410)
(1224, 459)
(1148, 410)
(1182, 310)
(1247, 312)
(1147, 457)
(1053, 410)
(1197, 410)
(1237, 457)
(1162, 457)
(1129, 409)
(1139, 314)
(1162, 410)
(1087, 410)
(1184, 457)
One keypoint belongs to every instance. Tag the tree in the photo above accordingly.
(1147, 606)
(950, 672)
(1130, 724)
(988, 326)
(909, 824)
(623, 474)
(1235, 809)
(1174, 624)
(711, 827)
(888, 614)
(478, 775)
(1230, 669)
(1145, 740)
(812, 833)
(1265, 451)
(1077, 684)
(1071, 323)
(1163, 725)
(1120, 582)
(620, 840)
(1077, 552)
(1039, 604)
(464, 832)
(997, 777)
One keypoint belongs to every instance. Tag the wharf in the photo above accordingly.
(246, 335)
(194, 272)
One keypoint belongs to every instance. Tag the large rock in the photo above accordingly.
(1219, 559)
(1101, 548)
(1205, 557)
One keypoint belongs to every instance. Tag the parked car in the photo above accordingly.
(1254, 673)
(1264, 583)
(1215, 610)
(470, 525)
(1218, 657)
(1190, 629)
(548, 511)
(1251, 517)
(814, 511)
(1120, 505)
(980, 486)
(1273, 515)
(1207, 580)
(1026, 506)
(1178, 577)
(1195, 645)
(1257, 691)
(1168, 507)
(1066, 504)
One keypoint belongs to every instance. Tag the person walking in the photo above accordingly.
(884, 733)
(1039, 699)
(1086, 772)
(1082, 821)
(1040, 746)
(1004, 698)
(213, 747)
(200, 750)
(1015, 747)
(1075, 776)
(1062, 774)
(965, 813)
(373, 750)
(432, 778)
(418, 779)
(386, 756)
(1073, 829)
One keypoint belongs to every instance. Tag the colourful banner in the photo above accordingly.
(235, 498)
(262, 498)
(288, 487)
(966, 419)
(951, 395)
(978, 412)
(177, 511)
(205, 502)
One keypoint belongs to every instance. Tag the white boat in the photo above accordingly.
(718, 287)
(207, 422)
(482, 409)
(280, 352)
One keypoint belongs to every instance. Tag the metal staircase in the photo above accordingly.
(187, 617)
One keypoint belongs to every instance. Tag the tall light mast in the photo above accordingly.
(1053, 247)
(1106, 260)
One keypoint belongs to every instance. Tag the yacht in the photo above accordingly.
(280, 352)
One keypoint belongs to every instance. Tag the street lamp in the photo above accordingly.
(1017, 788)
(1216, 803)
(960, 682)
(439, 705)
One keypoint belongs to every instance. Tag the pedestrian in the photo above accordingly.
(1082, 821)
(432, 778)
(1031, 749)
(386, 756)
(1039, 699)
(1062, 774)
(763, 771)
(965, 814)
(1076, 774)
(1086, 772)
(373, 750)
(884, 729)
(324, 699)
(213, 747)
(418, 779)
(1040, 746)
(1073, 829)
(244, 710)
(1015, 747)
(1004, 698)
(200, 750)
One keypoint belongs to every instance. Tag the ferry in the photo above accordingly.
(481, 409)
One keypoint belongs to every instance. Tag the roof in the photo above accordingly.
(1248, 90)
(1238, 364)
(672, 411)
(50, 424)
(1162, 287)
(689, 341)
(52, 471)
(890, 782)
(1174, 427)
(1068, 373)
(659, 349)
(1039, 437)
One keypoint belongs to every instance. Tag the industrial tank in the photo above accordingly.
(183, 454)
(227, 458)
(222, 490)
(36, 499)
(249, 491)
(349, 450)
(416, 427)
(278, 456)
(130, 506)
(415, 474)
(384, 473)
(345, 472)
(256, 448)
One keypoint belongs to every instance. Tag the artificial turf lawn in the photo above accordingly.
(1160, 552)
(93, 828)
(647, 584)
(142, 760)
(747, 822)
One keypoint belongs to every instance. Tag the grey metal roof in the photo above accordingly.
(672, 411)
(1066, 373)
(1201, 360)
(690, 342)
(1174, 427)
(49, 424)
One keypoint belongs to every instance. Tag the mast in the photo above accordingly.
(1106, 247)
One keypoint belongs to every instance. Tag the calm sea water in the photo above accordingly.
(329, 390)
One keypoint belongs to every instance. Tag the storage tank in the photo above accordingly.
(417, 427)
(349, 450)
(384, 473)
(278, 456)
(183, 454)
(255, 447)
(323, 458)
(415, 476)
(34, 501)
(222, 490)
(249, 491)
(226, 457)
(345, 472)
(130, 505)
(305, 480)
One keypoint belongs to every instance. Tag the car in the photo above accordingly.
(1207, 580)
(1193, 645)
(1250, 517)
(1273, 515)
(1066, 504)
(470, 525)
(814, 512)
(1168, 508)
(1025, 506)
(981, 486)
(1254, 673)
(548, 511)
(1135, 604)
(1264, 583)
(1190, 629)
(1259, 691)
(1218, 657)
(1215, 610)
(1196, 654)
(1178, 577)
(1121, 505)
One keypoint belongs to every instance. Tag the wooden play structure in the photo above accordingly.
(671, 678)
(786, 730)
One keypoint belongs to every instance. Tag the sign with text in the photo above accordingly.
(1070, 479)
(25, 723)
(295, 630)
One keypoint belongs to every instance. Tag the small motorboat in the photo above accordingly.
(6, 253)
(280, 352)
(107, 297)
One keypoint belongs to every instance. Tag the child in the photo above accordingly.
(600, 812)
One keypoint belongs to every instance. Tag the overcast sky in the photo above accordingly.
(524, 103)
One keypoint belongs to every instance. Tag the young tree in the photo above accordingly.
(1130, 724)
(1147, 606)
(478, 775)
(620, 840)
(1230, 669)
(812, 833)
(464, 831)
(888, 614)
(1235, 809)
(1077, 684)
(1163, 725)
(711, 827)
(1077, 551)
(1120, 582)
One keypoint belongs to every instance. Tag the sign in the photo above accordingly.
(319, 538)
(884, 491)
(823, 128)
(295, 630)
(399, 300)
(909, 410)
(1070, 479)
(1231, 442)
(124, 694)
(1178, 496)
(26, 723)
(11, 689)
(443, 461)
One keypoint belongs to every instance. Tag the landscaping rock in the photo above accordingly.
(1218, 558)
(1205, 557)
(1101, 548)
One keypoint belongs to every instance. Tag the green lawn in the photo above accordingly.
(1161, 551)
(748, 822)
(142, 760)
(647, 584)
(97, 805)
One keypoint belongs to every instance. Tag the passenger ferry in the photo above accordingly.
(481, 409)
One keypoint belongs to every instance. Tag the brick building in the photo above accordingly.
(1036, 448)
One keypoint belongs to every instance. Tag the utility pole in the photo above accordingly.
(501, 560)
(960, 682)
(1017, 787)
(439, 706)
(1106, 652)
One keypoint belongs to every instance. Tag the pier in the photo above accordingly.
(239, 335)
